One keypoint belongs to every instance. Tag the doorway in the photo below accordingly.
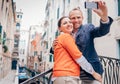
(14, 64)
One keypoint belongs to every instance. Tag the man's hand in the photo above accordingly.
(97, 77)
(102, 11)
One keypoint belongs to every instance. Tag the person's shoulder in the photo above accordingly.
(64, 35)
(88, 25)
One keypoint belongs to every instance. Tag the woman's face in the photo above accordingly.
(66, 26)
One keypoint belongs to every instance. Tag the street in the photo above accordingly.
(11, 78)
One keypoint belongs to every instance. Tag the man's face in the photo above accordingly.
(76, 18)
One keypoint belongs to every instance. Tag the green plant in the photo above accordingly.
(5, 48)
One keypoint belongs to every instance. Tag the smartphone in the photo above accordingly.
(91, 5)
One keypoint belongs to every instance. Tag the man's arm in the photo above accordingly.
(103, 29)
(105, 21)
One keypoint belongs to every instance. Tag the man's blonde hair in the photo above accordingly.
(74, 9)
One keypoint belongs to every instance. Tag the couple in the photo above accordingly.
(68, 58)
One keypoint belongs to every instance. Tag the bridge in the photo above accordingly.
(111, 73)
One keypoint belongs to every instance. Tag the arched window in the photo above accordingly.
(18, 26)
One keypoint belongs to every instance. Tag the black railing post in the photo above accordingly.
(111, 68)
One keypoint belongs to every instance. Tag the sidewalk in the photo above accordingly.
(10, 78)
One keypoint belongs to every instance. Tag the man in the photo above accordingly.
(84, 36)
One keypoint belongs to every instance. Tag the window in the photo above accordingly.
(46, 45)
(53, 3)
(2, 4)
(0, 32)
(118, 7)
(20, 16)
(18, 26)
(48, 13)
(64, 4)
(4, 38)
(35, 66)
(56, 33)
(119, 48)
(41, 53)
(40, 56)
(6, 9)
(0, 58)
(23, 51)
(50, 58)
(68, 1)
(0, 28)
(51, 24)
(17, 16)
(89, 16)
(35, 53)
(22, 60)
(58, 10)
(33, 36)
(64, 7)
(16, 43)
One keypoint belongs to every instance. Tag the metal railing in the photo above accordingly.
(111, 73)
(111, 68)
(42, 78)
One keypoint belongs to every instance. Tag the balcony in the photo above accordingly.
(111, 73)
(15, 52)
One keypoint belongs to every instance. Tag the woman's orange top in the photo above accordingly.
(65, 53)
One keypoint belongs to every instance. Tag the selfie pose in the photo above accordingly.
(68, 58)
(85, 35)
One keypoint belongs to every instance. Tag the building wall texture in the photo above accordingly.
(7, 21)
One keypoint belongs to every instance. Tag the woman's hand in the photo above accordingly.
(54, 44)
(97, 77)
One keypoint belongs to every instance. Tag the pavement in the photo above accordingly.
(11, 78)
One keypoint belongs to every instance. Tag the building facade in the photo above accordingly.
(109, 45)
(7, 27)
(34, 58)
(15, 53)
(23, 47)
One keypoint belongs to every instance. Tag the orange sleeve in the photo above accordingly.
(71, 47)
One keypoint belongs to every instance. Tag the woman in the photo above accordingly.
(68, 58)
